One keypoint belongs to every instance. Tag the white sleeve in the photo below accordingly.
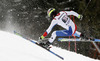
(72, 13)
(53, 23)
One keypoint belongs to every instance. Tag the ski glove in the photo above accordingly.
(44, 35)
(80, 17)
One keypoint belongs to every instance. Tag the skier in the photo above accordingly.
(62, 20)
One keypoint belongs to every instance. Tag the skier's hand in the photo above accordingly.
(80, 17)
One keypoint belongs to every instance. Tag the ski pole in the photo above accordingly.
(86, 7)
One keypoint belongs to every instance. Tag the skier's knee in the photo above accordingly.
(54, 33)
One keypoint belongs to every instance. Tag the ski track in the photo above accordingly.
(15, 48)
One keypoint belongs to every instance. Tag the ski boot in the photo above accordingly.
(45, 45)
(91, 38)
(83, 37)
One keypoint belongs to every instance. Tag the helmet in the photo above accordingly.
(50, 11)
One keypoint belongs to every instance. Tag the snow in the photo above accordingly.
(15, 48)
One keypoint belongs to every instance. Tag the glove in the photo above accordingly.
(80, 17)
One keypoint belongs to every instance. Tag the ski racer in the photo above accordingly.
(62, 20)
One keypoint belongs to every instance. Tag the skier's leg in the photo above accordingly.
(53, 36)
(81, 35)
(60, 33)
(77, 33)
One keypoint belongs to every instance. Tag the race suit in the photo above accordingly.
(64, 21)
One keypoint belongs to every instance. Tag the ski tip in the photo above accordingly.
(62, 58)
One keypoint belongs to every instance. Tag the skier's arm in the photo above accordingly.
(73, 13)
(53, 23)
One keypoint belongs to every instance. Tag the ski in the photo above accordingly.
(78, 39)
(35, 42)
(67, 39)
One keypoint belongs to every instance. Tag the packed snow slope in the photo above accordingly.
(15, 48)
